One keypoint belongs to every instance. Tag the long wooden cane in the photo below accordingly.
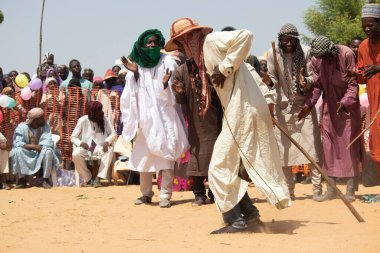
(340, 194)
(362, 132)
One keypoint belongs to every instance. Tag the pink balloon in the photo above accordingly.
(363, 98)
(35, 84)
(26, 93)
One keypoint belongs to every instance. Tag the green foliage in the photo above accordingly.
(339, 20)
(1, 17)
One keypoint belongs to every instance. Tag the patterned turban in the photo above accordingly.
(33, 114)
(288, 30)
(371, 10)
(321, 46)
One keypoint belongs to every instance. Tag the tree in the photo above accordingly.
(339, 20)
(1, 17)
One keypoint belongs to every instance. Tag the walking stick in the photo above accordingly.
(340, 194)
(362, 132)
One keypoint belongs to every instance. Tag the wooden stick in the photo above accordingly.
(340, 194)
(42, 19)
(362, 132)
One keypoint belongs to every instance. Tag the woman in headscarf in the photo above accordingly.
(93, 137)
(149, 115)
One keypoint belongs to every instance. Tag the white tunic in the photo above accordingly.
(247, 131)
(149, 114)
(4, 157)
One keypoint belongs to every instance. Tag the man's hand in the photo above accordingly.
(340, 108)
(166, 78)
(371, 70)
(178, 87)
(37, 148)
(84, 145)
(266, 79)
(305, 110)
(105, 146)
(350, 76)
(34, 147)
(131, 66)
(218, 78)
(302, 78)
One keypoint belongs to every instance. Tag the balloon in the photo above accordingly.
(35, 84)
(1, 116)
(4, 101)
(363, 98)
(21, 80)
(26, 93)
(361, 89)
(12, 103)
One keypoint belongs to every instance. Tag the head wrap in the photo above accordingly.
(371, 10)
(49, 79)
(33, 114)
(147, 57)
(46, 57)
(321, 46)
(298, 59)
(95, 113)
(288, 30)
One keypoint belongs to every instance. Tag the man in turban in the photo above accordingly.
(93, 137)
(149, 116)
(340, 112)
(33, 149)
(292, 78)
(247, 132)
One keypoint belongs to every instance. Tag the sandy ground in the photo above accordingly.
(105, 220)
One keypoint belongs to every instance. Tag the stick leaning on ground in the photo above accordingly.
(362, 132)
(315, 164)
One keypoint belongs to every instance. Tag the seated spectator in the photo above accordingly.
(33, 149)
(92, 130)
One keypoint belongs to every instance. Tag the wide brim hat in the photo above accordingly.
(182, 26)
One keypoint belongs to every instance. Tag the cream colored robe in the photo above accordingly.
(247, 122)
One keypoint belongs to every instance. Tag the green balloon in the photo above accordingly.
(12, 103)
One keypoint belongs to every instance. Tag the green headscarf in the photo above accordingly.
(147, 57)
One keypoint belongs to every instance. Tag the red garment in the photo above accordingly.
(369, 54)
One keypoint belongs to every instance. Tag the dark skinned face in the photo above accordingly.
(152, 42)
(50, 60)
(288, 43)
(53, 74)
(61, 73)
(13, 75)
(37, 123)
(89, 75)
(263, 66)
(371, 27)
(354, 45)
(75, 68)
(116, 70)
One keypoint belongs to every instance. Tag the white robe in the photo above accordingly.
(4, 157)
(149, 113)
(247, 122)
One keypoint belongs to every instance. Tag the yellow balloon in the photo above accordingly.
(21, 80)
(361, 89)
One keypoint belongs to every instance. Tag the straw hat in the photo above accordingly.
(182, 26)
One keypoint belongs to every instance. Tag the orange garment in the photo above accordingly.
(369, 54)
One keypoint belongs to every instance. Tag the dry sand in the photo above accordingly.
(105, 220)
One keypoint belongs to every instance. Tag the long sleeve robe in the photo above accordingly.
(305, 132)
(149, 114)
(369, 54)
(247, 124)
(337, 131)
